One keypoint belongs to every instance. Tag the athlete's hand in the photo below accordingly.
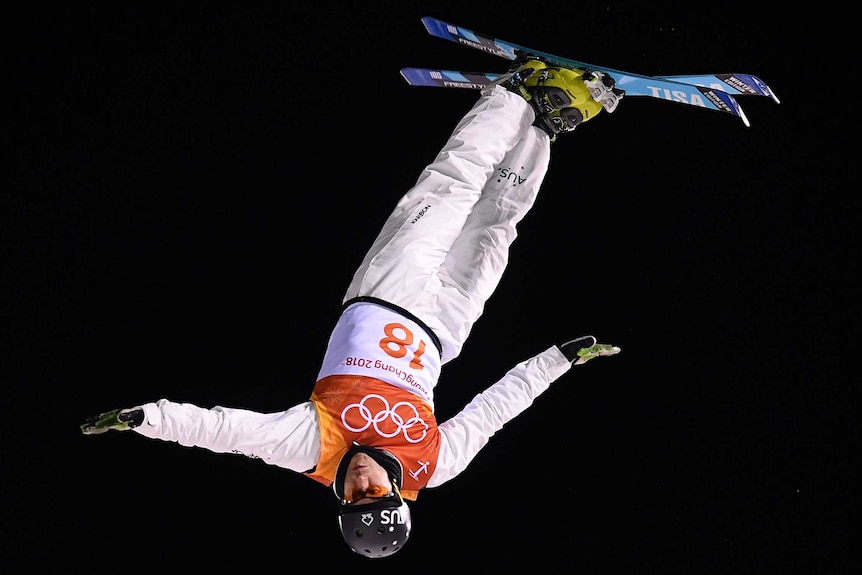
(583, 349)
(118, 419)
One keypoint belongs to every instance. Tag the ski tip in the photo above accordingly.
(774, 96)
(764, 89)
(739, 111)
(724, 102)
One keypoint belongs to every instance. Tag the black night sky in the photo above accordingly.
(193, 184)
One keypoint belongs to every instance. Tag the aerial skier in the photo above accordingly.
(369, 429)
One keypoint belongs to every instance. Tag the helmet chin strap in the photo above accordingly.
(385, 459)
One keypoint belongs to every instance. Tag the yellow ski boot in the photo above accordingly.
(562, 98)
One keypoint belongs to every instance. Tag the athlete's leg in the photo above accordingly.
(478, 257)
(403, 263)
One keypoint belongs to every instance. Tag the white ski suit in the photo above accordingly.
(408, 311)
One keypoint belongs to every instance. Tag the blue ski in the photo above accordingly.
(447, 78)
(746, 84)
(478, 80)
(711, 91)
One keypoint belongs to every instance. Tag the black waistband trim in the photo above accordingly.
(399, 310)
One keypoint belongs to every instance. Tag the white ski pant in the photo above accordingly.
(444, 248)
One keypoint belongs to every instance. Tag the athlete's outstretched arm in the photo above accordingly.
(466, 433)
(288, 439)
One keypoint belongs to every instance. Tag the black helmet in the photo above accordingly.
(382, 527)
(376, 529)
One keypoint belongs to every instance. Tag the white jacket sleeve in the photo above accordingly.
(289, 439)
(466, 433)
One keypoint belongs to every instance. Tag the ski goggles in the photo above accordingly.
(372, 492)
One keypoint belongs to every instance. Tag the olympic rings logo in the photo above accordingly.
(387, 414)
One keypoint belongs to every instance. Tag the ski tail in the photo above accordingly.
(448, 78)
(461, 35)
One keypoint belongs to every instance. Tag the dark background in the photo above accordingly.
(191, 186)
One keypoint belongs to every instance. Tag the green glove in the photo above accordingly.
(583, 349)
(118, 419)
(598, 350)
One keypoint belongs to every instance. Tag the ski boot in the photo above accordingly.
(603, 89)
(559, 96)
